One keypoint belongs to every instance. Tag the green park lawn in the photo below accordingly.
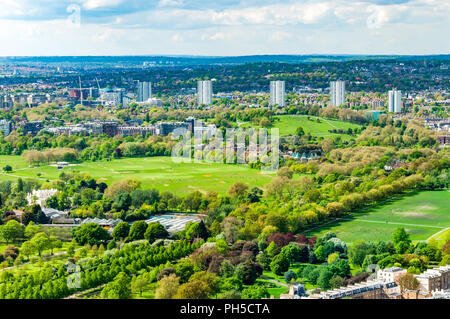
(154, 172)
(422, 214)
(287, 124)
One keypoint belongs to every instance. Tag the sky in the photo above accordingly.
(223, 27)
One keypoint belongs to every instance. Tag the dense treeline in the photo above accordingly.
(50, 283)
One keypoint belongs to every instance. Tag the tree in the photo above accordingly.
(324, 278)
(238, 189)
(40, 242)
(272, 249)
(11, 231)
(196, 230)
(210, 280)
(184, 269)
(285, 172)
(54, 243)
(155, 231)
(167, 287)
(327, 145)
(400, 235)
(358, 250)
(408, 281)
(193, 201)
(255, 292)
(90, 233)
(137, 230)
(312, 196)
(32, 229)
(332, 258)
(121, 231)
(7, 168)
(11, 251)
(299, 131)
(292, 252)
(279, 264)
(289, 275)
(119, 288)
(337, 282)
(192, 290)
(27, 249)
(248, 272)
(139, 284)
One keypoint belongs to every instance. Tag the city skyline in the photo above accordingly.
(224, 28)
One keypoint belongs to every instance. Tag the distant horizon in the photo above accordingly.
(224, 56)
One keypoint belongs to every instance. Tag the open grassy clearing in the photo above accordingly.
(422, 214)
(440, 238)
(157, 172)
(287, 124)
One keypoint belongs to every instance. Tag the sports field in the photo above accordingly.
(422, 214)
(287, 124)
(158, 172)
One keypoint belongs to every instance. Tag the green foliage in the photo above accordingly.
(279, 264)
(90, 233)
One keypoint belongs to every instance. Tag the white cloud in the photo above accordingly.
(280, 36)
(97, 4)
(170, 3)
(177, 38)
(230, 27)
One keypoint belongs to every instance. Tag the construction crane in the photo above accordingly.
(98, 85)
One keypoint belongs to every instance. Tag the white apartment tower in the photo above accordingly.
(144, 91)
(394, 101)
(277, 91)
(337, 92)
(204, 92)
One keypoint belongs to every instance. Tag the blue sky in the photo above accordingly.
(223, 27)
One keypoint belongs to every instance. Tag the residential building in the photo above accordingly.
(112, 97)
(390, 274)
(394, 101)
(277, 93)
(134, 130)
(165, 128)
(33, 127)
(337, 93)
(6, 102)
(295, 292)
(443, 139)
(371, 289)
(5, 127)
(434, 279)
(144, 91)
(204, 92)
(40, 196)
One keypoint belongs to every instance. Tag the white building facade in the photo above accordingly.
(337, 93)
(204, 92)
(144, 91)
(277, 93)
(394, 101)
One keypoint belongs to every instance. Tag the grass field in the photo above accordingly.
(158, 172)
(287, 124)
(441, 238)
(422, 214)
